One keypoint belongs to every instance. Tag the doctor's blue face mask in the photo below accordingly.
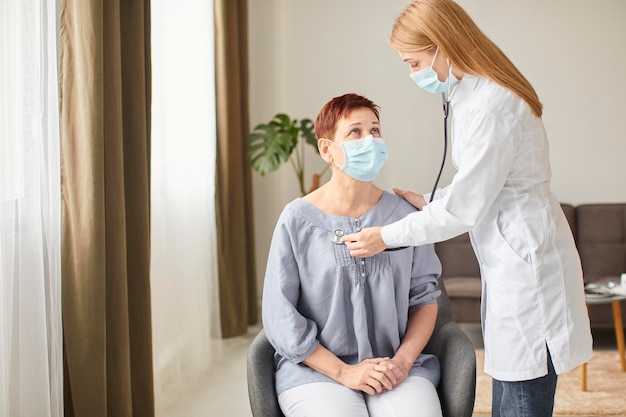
(427, 79)
(364, 158)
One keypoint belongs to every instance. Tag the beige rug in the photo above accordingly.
(605, 395)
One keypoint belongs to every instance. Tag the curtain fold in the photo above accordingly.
(31, 369)
(235, 228)
(104, 76)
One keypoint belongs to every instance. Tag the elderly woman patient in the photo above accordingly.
(349, 332)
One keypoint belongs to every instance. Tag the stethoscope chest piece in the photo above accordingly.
(336, 236)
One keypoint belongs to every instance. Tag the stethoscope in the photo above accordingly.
(337, 234)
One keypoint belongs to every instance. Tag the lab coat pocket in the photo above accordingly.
(513, 232)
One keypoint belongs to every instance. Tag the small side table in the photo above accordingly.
(614, 300)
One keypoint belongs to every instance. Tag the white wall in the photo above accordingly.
(303, 53)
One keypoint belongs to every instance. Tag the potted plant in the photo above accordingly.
(281, 140)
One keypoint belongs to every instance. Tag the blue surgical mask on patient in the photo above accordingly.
(364, 158)
(427, 79)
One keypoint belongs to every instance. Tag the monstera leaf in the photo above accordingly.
(307, 130)
(272, 144)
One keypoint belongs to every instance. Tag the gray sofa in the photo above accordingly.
(600, 234)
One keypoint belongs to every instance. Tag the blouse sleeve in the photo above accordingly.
(425, 273)
(292, 335)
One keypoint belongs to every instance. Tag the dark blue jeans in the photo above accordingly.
(532, 398)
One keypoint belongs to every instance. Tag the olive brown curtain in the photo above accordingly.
(238, 298)
(104, 74)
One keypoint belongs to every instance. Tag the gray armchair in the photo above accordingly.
(449, 343)
(261, 380)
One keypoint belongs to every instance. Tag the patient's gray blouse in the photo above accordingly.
(315, 292)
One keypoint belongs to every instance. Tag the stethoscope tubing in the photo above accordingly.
(446, 103)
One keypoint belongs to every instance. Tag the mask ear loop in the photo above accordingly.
(434, 57)
(332, 160)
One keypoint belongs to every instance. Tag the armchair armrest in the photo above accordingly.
(457, 356)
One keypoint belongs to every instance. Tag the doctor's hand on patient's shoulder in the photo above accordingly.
(417, 200)
(368, 242)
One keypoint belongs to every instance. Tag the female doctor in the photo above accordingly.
(534, 320)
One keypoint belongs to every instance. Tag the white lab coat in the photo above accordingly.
(532, 285)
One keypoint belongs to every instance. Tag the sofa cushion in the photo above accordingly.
(601, 240)
(458, 258)
(465, 293)
(463, 287)
(460, 274)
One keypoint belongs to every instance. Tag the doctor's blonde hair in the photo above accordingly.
(426, 24)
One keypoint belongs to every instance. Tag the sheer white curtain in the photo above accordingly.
(31, 361)
(185, 309)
